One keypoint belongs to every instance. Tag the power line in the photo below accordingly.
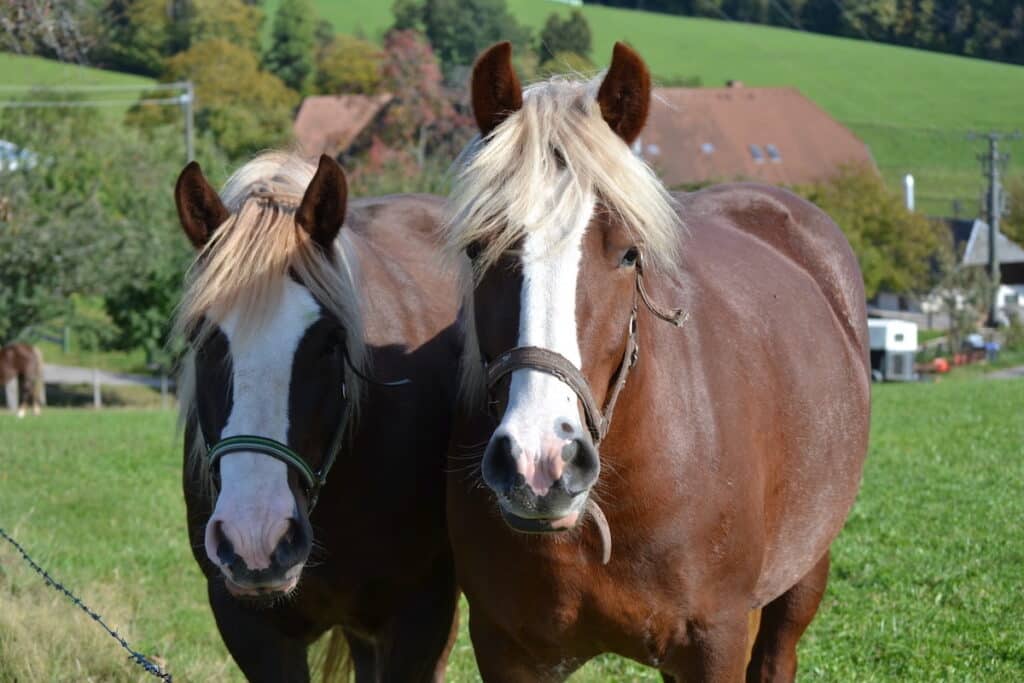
(65, 104)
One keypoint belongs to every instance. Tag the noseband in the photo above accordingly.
(313, 480)
(555, 364)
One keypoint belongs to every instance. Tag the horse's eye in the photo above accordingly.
(630, 258)
(473, 250)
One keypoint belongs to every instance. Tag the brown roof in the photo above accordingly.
(327, 124)
(696, 135)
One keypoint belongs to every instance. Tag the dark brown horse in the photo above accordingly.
(24, 362)
(683, 471)
(295, 322)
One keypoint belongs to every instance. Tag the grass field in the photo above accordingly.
(913, 108)
(925, 579)
(18, 70)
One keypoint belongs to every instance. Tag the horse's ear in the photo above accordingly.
(625, 94)
(495, 87)
(322, 210)
(199, 206)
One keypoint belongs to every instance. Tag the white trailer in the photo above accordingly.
(893, 348)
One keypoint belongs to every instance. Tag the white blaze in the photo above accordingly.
(255, 503)
(542, 414)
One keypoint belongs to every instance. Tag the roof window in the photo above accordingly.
(755, 151)
(773, 154)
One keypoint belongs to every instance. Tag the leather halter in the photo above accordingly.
(555, 364)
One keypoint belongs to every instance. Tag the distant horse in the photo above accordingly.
(680, 473)
(295, 323)
(25, 362)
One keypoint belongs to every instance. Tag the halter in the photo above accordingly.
(560, 367)
(313, 480)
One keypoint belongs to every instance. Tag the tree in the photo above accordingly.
(566, 62)
(459, 30)
(293, 40)
(232, 20)
(90, 216)
(244, 107)
(349, 65)
(59, 30)
(895, 247)
(1012, 224)
(565, 35)
(137, 35)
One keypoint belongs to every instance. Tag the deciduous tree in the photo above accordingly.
(349, 65)
(293, 41)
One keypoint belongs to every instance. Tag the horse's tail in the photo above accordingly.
(38, 382)
(334, 662)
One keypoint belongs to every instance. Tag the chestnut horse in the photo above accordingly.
(663, 484)
(319, 348)
(24, 362)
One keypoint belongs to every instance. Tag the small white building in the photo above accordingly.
(893, 348)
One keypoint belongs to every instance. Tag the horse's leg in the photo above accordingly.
(416, 646)
(262, 651)
(753, 623)
(24, 394)
(364, 659)
(715, 651)
(503, 660)
(783, 621)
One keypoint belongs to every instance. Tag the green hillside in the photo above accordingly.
(20, 70)
(913, 108)
(17, 71)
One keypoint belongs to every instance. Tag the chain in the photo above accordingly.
(137, 657)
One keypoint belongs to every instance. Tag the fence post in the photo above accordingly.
(163, 390)
(97, 401)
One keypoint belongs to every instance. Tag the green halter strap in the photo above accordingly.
(313, 481)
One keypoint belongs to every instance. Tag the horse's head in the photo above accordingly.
(556, 213)
(270, 331)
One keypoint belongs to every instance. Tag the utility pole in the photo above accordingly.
(993, 162)
(187, 101)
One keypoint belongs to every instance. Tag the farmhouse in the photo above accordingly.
(1011, 264)
(328, 124)
(696, 136)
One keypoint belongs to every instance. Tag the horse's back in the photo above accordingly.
(778, 305)
(410, 284)
(800, 232)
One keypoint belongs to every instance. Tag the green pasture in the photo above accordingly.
(925, 577)
(18, 70)
(913, 108)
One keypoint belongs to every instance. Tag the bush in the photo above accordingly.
(246, 108)
(349, 65)
(895, 247)
(564, 35)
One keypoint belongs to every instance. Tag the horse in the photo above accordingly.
(25, 362)
(321, 339)
(673, 390)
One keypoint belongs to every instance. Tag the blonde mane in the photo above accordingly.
(243, 268)
(494, 198)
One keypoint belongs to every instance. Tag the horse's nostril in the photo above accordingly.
(499, 466)
(225, 549)
(570, 451)
(294, 545)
